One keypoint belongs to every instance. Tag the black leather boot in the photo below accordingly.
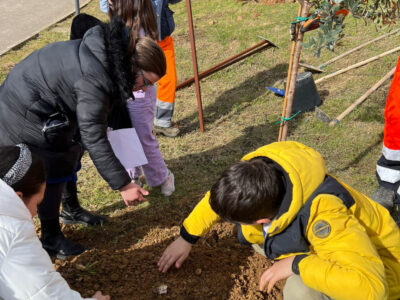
(73, 213)
(55, 243)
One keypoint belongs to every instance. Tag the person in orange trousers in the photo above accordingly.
(167, 84)
(388, 166)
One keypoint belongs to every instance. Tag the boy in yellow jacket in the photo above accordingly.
(330, 240)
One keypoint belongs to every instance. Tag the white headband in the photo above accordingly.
(21, 166)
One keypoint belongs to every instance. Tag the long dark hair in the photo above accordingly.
(34, 178)
(135, 14)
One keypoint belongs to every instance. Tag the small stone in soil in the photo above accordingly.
(198, 272)
(161, 290)
(80, 267)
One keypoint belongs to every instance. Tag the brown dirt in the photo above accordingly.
(218, 266)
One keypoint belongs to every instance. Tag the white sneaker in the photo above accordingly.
(168, 186)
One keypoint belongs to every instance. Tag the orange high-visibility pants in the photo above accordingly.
(388, 166)
(166, 86)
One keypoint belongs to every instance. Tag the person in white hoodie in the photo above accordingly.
(26, 271)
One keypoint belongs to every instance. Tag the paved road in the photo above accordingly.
(21, 19)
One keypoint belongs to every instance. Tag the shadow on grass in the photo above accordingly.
(235, 99)
(355, 161)
(323, 95)
(195, 173)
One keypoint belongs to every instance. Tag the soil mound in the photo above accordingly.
(218, 267)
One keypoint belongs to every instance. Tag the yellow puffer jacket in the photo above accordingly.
(346, 245)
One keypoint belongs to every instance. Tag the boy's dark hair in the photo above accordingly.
(248, 191)
(36, 175)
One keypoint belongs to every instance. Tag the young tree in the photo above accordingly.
(330, 15)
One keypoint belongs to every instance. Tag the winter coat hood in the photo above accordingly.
(109, 44)
(304, 171)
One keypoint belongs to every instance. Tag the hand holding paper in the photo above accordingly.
(128, 149)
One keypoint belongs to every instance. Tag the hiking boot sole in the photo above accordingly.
(59, 255)
(86, 224)
(72, 222)
(165, 132)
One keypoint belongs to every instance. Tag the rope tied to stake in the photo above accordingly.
(300, 19)
(283, 119)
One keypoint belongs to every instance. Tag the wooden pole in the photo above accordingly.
(288, 76)
(283, 130)
(357, 48)
(194, 59)
(364, 62)
(362, 98)
(226, 63)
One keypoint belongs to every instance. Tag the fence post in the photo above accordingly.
(77, 7)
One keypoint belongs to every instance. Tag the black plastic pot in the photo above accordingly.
(306, 96)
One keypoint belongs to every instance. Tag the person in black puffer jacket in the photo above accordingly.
(63, 98)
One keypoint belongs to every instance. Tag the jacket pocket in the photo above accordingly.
(58, 131)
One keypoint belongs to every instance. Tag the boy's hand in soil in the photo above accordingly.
(133, 194)
(280, 270)
(100, 296)
(176, 253)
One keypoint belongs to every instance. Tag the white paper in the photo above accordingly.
(127, 147)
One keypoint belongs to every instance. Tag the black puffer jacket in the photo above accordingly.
(83, 81)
